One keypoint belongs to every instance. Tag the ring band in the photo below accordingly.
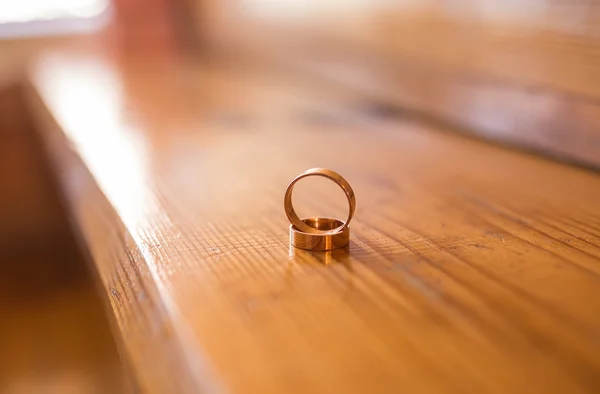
(329, 174)
(323, 241)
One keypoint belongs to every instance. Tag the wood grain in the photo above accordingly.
(471, 268)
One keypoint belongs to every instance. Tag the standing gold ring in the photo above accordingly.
(329, 174)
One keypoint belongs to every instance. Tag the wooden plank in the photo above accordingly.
(471, 268)
(149, 348)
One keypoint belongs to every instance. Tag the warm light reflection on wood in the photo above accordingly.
(111, 144)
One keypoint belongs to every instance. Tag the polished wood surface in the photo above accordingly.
(471, 268)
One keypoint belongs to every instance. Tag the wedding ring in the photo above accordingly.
(323, 241)
(300, 224)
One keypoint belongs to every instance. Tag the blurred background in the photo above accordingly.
(509, 72)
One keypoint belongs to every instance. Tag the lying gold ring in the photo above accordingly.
(320, 242)
(329, 174)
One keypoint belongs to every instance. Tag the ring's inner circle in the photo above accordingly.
(317, 196)
(324, 224)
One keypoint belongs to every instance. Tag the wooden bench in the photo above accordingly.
(471, 268)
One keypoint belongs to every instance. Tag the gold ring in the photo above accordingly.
(329, 174)
(323, 241)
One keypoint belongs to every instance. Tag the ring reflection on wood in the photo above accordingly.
(320, 241)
